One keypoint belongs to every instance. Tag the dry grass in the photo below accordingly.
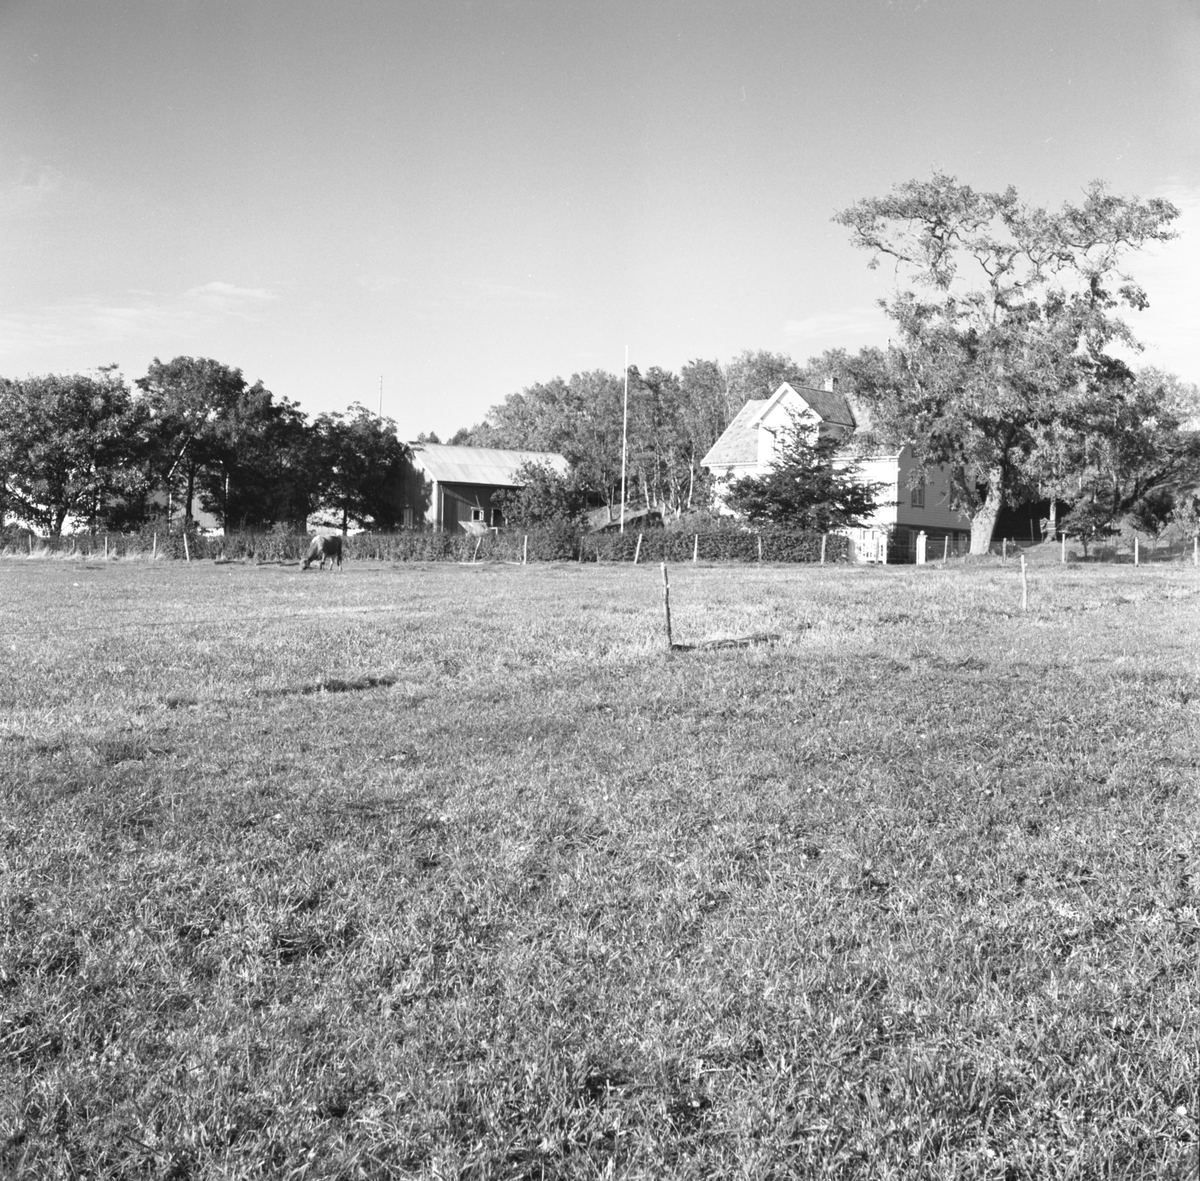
(441, 871)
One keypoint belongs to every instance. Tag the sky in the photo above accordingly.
(461, 198)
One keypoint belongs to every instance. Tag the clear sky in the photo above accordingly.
(470, 196)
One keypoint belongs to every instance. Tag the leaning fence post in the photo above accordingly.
(187, 554)
(1024, 586)
(823, 537)
(525, 552)
(637, 550)
(154, 551)
(946, 549)
(695, 551)
(667, 603)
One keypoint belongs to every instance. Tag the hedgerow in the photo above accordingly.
(553, 542)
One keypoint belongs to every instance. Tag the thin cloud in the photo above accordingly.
(99, 324)
(857, 323)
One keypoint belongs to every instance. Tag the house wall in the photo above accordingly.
(894, 472)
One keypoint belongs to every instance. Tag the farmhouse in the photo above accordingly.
(450, 486)
(750, 443)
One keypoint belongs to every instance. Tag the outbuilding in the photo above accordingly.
(452, 486)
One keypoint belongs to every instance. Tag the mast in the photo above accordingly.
(624, 436)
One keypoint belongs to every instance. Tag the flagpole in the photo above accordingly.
(624, 436)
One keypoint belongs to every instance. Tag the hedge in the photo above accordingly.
(542, 543)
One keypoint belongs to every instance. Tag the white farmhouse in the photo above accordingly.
(750, 443)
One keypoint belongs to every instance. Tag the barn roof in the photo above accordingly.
(479, 465)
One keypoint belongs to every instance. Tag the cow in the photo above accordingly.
(322, 548)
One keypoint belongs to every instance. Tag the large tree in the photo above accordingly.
(68, 444)
(360, 463)
(1135, 456)
(1003, 316)
(233, 445)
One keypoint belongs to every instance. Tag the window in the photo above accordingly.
(477, 514)
(918, 496)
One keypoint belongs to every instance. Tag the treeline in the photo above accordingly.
(673, 420)
(92, 449)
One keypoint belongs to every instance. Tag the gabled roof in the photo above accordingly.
(738, 445)
(827, 405)
(479, 465)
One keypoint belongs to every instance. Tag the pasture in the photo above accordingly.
(449, 871)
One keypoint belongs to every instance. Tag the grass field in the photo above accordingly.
(445, 871)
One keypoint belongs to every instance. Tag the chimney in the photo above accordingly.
(831, 383)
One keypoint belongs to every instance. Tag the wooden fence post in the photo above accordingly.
(525, 552)
(1064, 547)
(667, 603)
(1024, 586)
(637, 550)
(187, 553)
(154, 551)
(823, 537)
(760, 547)
(946, 549)
(1004, 550)
(695, 551)
(1137, 556)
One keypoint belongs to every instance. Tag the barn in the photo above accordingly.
(453, 486)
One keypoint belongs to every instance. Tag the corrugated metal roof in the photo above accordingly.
(479, 465)
(738, 443)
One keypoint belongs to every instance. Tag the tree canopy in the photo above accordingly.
(1002, 315)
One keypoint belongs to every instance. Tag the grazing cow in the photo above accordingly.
(322, 548)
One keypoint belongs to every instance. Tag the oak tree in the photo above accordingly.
(1003, 315)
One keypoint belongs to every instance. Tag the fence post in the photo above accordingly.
(946, 549)
(1024, 586)
(1004, 550)
(154, 551)
(823, 537)
(637, 550)
(695, 553)
(106, 547)
(525, 552)
(1064, 547)
(760, 547)
(667, 604)
(187, 554)
(921, 542)
(1136, 552)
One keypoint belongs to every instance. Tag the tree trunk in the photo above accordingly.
(191, 490)
(983, 523)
